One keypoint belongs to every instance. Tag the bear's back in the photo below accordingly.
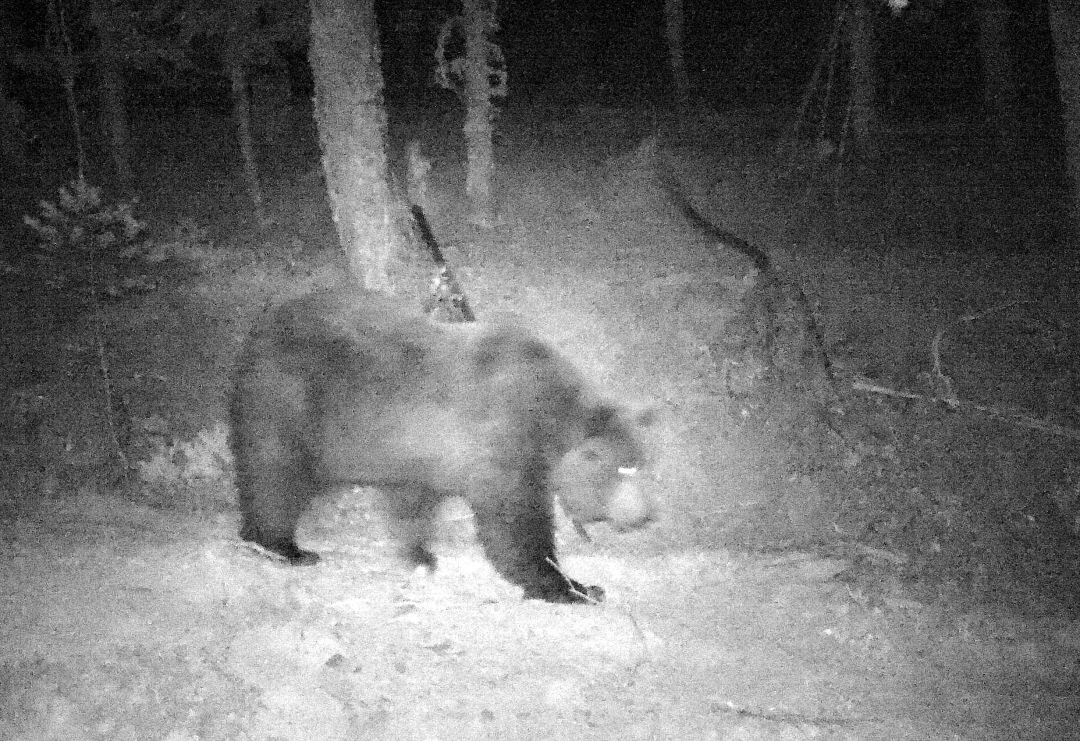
(392, 387)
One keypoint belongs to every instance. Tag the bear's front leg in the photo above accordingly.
(516, 529)
(412, 512)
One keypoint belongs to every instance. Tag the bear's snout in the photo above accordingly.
(630, 507)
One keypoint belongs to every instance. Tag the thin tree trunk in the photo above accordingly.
(479, 26)
(110, 88)
(241, 113)
(351, 118)
(1065, 26)
(674, 18)
(999, 72)
(789, 147)
(115, 121)
(863, 112)
(68, 70)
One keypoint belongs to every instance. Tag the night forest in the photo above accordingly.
(829, 247)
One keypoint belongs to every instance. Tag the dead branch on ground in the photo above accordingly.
(945, 393)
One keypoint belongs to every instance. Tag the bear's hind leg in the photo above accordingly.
(277, 482)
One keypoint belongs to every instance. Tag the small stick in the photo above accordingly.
(1005, 415)
(633, 621)
(781, 716)
(446, 275)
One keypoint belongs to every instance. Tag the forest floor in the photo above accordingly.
(889, 568)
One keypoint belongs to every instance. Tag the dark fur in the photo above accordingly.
(343, 386)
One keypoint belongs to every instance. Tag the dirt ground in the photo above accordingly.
(888, 567)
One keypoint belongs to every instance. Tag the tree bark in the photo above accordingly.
(863, 103)
(236, 68)
(480, 23)
(674, 19)
(999, 72)
(1065, 26)
(351, 118)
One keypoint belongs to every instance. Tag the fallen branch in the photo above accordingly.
(945, 393)
(1005, 415)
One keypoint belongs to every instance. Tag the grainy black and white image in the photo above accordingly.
(582, 369)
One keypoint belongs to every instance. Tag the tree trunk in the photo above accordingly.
(13, 154)
(351, 118)
(236, 68)
(999, 74)
(110, 88)
(1065, 25)
(413, 66)
(863, 113)
(674, 18)
(13, 133)
(479, 27)
(67, 68)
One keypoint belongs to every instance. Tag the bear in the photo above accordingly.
(348, 387)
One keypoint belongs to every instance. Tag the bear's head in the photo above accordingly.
(600, 479)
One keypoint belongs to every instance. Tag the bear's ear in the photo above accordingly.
(600, 420)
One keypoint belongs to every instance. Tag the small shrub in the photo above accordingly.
(86, 245)
(191, 474)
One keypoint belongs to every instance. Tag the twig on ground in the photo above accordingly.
(588, 598)
(882, 555)
(782, 716)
